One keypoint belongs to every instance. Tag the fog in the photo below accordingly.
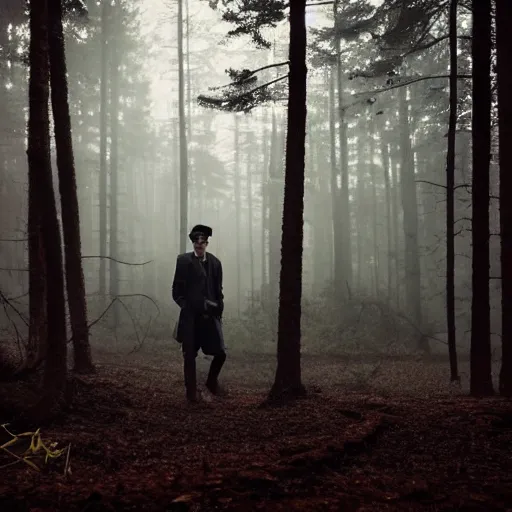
(363, 295)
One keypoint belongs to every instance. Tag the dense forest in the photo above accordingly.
(351, 158)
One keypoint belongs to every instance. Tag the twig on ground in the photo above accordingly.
(66, 465)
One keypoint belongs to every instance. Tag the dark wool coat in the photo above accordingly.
(193, 283)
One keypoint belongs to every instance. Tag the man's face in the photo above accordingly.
(200, 244)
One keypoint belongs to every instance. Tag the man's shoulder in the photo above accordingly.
(213, 257)
(185, 256)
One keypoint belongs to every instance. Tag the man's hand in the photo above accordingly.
(211, 307)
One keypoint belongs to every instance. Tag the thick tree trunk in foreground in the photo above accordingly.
(504, 56)
(480, 358)
(37, 333)
(288, 381)
(75, 285)
(40, 177)
(450, 197)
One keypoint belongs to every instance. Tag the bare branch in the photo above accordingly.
(426, 46)
(232, 99)
(99, 318)
(408, 82)
(13, 239)
(430, 183)
(118, 261)
(6, 301)
(19, 338)
(116, 298)
(252, 73)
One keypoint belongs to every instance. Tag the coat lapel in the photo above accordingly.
(197, 266)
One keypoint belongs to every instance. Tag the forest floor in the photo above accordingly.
(366, 438)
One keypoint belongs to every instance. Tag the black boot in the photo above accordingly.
(212, 382)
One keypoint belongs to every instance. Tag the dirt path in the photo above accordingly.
(136, 445)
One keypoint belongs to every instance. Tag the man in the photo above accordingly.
(197, 289)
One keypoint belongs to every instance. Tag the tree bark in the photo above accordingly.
(480, 357)
(40, 177)
(37, 333)
(75, 285)
(450, 197)
(288, 381)
(504, 61)
(37, 337)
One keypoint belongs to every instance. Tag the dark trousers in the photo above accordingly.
(189, 367)
(190, 350)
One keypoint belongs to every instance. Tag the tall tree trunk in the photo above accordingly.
(105, 29)
(189, 80)
(182, 135)
(335, 194)
(250, 224)
(176, 187)
(37, 333)
(114, 163)
(504, 56)
(480, 358)
(450, 197)
(373, 174)
(288, 380)
(40, 178)
(389, 236)
(68, 192)
(344, 192)
(274, 213)
(238, 214)
(410, 222)
(394, 214)
(264, 214)
(360, 218)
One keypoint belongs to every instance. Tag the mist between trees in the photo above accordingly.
(395, 232)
